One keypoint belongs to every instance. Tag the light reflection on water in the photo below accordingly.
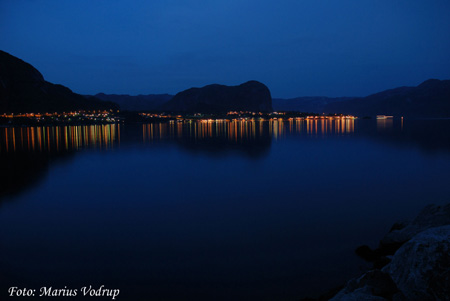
(55, 138)
(383, 124)
(239, 130)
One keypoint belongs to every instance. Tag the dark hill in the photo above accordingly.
(429, 99)
(149, 102)
(24, 90)
(250, 96)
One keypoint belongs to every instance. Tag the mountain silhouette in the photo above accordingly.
(250, 96)
(429, 99)
(24, 90)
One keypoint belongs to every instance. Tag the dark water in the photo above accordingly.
(242, 210)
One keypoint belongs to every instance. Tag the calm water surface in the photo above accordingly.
(218, 210)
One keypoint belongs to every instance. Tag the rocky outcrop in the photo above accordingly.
(401, 232)
(250, 96)
(419, 268)
(24, 90)
(373, 285)
(430, 216)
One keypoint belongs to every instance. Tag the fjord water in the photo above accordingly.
(210, 210)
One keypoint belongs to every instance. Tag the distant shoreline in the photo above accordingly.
(106, 117)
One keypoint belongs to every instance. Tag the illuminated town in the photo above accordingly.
(88, 117)
(76, 136)
(105, 117)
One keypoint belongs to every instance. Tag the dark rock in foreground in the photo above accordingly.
(251, 96)
(24, 90)
(373, 285)
(430, 216)
(418, 270)
(421, 267)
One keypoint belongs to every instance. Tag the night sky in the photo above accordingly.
(297, 48)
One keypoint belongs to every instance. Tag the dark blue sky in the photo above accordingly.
(297, 48)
